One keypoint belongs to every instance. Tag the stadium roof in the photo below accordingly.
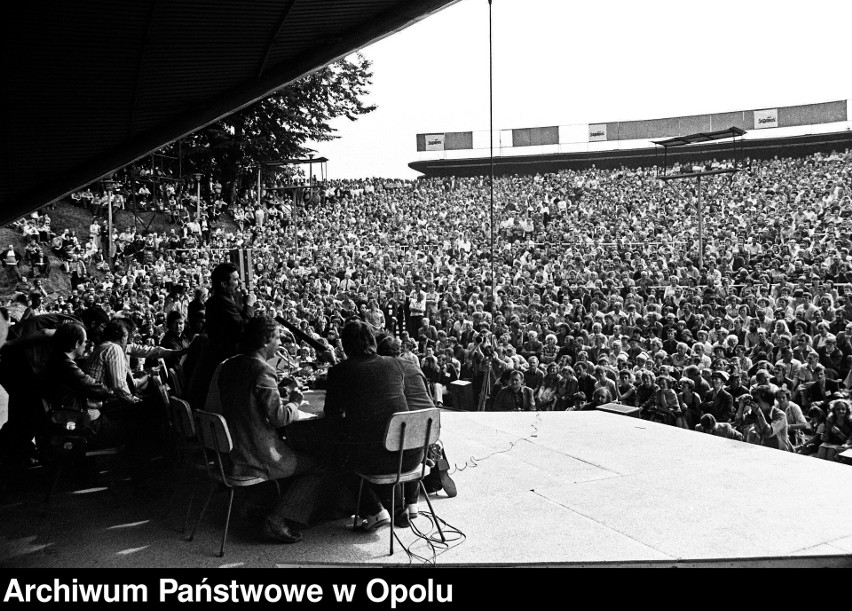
(91, 86)
(731, 132)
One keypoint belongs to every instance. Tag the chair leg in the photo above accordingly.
(178, 486)
(189, 506)
(393, 516)
(358, 506)
(54, 483)
(203, 511)
(111, 482)
(227, 522)
(432, 511)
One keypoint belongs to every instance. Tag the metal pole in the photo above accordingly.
(198, 200)
(109, 227)
(700, 228)
(491, 133)
(259, 169)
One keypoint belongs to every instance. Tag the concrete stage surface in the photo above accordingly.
(560, 489)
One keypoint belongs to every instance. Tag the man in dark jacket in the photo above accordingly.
(720, 403)
(516, 397)
(225, 321)
(67, 387)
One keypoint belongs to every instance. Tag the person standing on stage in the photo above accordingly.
(225, 321)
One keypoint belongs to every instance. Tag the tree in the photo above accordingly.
(278, 127)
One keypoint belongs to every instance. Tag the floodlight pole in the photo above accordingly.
(698, 173)
(110, 185)
(198, 178)
(491, 133)
(700, 228)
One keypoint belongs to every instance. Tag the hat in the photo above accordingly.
(720, 374)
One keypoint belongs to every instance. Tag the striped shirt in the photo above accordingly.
(108, 365)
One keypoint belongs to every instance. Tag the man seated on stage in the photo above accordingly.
(67, 386)
(245, 391)
(109, 362)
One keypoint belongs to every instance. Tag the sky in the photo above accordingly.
(563, 63)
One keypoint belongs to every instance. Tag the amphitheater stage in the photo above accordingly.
(535, 489)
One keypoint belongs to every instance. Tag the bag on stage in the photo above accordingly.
(439, 477)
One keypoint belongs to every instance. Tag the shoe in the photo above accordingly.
(447, 483)
(374, 522)
(281, 534)
(402, 519)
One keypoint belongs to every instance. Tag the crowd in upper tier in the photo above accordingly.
(598, 292)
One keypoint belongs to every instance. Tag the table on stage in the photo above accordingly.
(308, 433)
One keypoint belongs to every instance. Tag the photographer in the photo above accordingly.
(770, 423)
(448, 369)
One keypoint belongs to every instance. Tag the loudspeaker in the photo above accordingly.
(618, 408)
(462, 394)
(241, 257)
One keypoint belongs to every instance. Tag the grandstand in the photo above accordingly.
(784, 131)
(595, 293)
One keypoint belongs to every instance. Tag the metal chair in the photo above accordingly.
(215, 437)
(406, 431)
(63, 447)
(182, 426)
(176, 383)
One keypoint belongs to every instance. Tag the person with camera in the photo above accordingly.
(769, 422)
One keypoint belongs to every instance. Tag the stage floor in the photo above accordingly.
(534, 489)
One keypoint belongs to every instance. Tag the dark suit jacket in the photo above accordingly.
(721, 405)
(224, 324)
(505, 400)
(362, 394)
(817, 393)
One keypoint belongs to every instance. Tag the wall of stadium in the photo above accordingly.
(765, 148)
(628, 131)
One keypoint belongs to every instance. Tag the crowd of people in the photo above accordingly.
(595, 292)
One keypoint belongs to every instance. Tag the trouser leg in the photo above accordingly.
(303, 489)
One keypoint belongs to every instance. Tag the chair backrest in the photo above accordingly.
(163, 369)
(213, 432)
(179, 373)
(174, 382)
(182, 418)
(162, 392)
(411, 430)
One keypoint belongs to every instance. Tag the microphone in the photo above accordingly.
(301, 335)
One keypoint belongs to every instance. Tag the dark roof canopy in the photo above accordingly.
(731, 132)
(282, 162)
(92, 85)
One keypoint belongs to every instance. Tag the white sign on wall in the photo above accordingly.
(434, 142)
(764, 119)
(597, 132)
